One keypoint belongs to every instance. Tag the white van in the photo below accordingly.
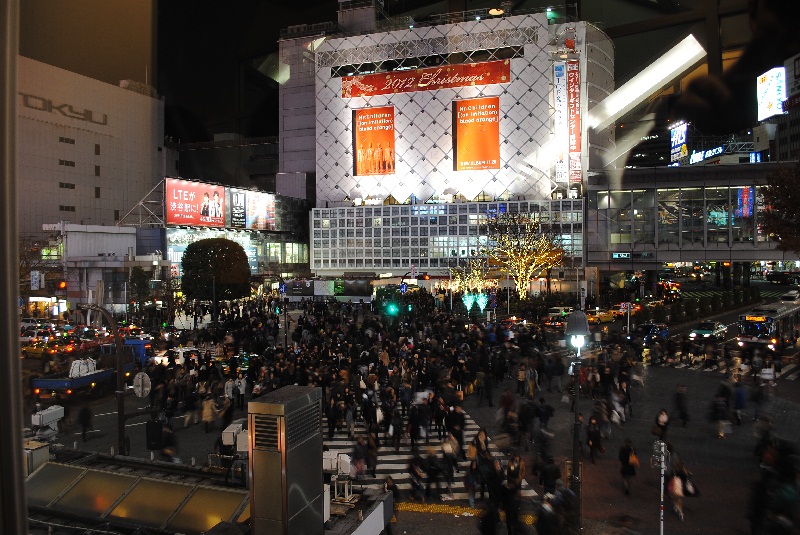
(559, 311)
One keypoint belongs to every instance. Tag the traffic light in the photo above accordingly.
(409, 307)
(391, 309)
(425, 277)
(278, 310)
(62, 285)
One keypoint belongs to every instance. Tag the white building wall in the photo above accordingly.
(65, 117)
(423, 123)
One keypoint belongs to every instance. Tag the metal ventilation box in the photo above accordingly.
(286, 485)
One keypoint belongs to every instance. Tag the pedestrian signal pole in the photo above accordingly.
(661, 456)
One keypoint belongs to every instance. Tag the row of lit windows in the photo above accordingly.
(455, 208)
(461, 230)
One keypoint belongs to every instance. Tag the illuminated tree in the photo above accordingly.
(472, 275)
(520, 247)
(782, 202)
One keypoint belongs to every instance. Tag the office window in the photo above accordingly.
(63, 208)
(96, 170)
(116, 215)
(97, 192)
(97, 149)
(67, 140)
(66, 185)
(66, 163)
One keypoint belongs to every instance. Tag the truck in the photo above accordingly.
(87, 376)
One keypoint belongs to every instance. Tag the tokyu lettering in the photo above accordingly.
(35, 102)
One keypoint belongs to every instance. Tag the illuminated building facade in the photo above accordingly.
(423, 132)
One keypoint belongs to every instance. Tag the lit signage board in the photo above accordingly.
(755, 318)
(194, 203)
(373, 141)
(771, 92)
(619, 256)
(476, 143)
(677, 144)
(560, 127)
(251, 209)
(574, 121)
(697, 157)
(463, 75)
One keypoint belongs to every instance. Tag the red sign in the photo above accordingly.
(373, 140)
(194, 203)
(369, 85)
(476, 144)
(574, 120)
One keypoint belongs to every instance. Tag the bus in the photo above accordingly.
(769, 327)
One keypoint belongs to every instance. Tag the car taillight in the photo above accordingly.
(69, 391)
(36, 391)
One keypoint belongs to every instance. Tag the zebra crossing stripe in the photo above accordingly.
(395, 463)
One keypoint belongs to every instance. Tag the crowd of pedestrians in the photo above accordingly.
(403, 381)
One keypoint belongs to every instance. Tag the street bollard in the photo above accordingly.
(152, 456)
(192, 461)
(112, 451)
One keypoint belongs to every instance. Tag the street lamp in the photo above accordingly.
(577, 330)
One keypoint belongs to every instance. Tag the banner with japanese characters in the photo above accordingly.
(194, 203)
(476, 134)
(373, 141)
(574, 121)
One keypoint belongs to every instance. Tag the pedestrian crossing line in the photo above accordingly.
(789, 373)
(395, 463)
(416, 507)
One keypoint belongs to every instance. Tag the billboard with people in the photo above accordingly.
(194, 203)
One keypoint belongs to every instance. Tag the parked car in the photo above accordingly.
(709, 329)
(791, 295)
(649, 333)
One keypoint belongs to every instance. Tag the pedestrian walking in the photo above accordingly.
(661, 425)
(629, 462)
(682, 405)
(207, 412)
(85, 419)
(594, 439)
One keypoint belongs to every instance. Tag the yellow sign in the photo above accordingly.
(755, 318)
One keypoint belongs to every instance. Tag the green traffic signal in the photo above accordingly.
(409, 308)
(392, 309)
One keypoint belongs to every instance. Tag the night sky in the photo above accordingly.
(200, 55)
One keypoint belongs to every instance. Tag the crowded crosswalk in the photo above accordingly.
(396, 464)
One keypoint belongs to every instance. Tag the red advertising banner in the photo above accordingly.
(476, 143)
(373, 141)
(574, 120)
(384, 83)
(194, 203)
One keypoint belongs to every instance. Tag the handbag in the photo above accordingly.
(633, 460)
(472, 452)
(690, 489)
(675, 487)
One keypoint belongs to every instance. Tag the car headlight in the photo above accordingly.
(692, 335)
(706, 335)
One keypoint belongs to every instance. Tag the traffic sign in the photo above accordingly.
(282, 288)
(141, 385)
(403, 287)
